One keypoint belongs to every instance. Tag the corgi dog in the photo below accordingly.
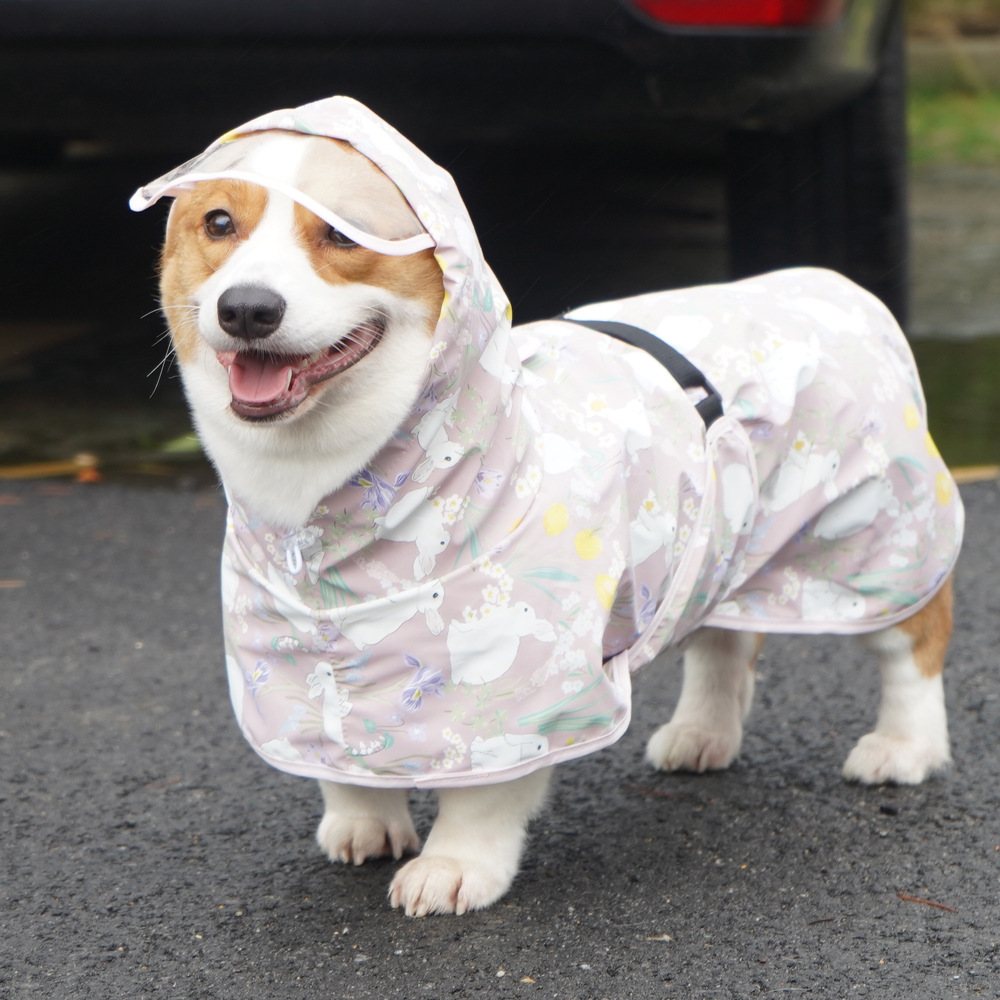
(451, 540)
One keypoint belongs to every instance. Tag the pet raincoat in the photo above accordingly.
(555, 511)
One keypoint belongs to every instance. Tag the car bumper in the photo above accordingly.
(150, 76)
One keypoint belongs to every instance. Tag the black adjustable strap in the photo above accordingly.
(685, 374)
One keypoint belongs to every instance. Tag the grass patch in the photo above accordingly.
(960, 382)
(954, 127)
(931, 18)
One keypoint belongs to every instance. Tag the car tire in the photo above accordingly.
(831, 193)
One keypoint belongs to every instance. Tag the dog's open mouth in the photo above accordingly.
(266, 385)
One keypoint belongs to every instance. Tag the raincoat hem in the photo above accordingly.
(621, 678)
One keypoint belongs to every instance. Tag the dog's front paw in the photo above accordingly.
(362, 823)
(679, 746)
(355, 839)
(878, 759)
(446, 885)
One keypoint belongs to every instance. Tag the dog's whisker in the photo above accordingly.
(177, 305)
(160, 370)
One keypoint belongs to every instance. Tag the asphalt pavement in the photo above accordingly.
(147, 851)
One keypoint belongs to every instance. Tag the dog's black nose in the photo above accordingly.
(250, 311)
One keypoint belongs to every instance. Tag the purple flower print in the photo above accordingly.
(328, 636)
(430, 398)
(646, 610)
(426, 681)
(257, 677)
(488, 481)
(872, 422)
(379, 494)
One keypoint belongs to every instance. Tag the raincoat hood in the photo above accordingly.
(476, 316)
(555, 511)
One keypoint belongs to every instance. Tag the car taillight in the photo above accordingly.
(743, 13)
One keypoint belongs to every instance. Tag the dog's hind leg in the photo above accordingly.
(910, 739)
(360, 823)
(474, 848)
(706, 729)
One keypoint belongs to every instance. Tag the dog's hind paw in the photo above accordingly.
(679, 746)
(878, 759)
(428, 885)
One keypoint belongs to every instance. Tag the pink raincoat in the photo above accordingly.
(554, 512)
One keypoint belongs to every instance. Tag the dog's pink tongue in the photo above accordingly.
(257, 379)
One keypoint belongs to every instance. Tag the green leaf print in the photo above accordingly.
(879, 584)
(556, 717)
(573, 723)
(334, 590)
(906, 460)
(550, 573)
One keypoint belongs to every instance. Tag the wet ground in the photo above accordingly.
(84, 368)
(148, 852)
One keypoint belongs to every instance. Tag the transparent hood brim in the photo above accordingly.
(329, 178)
(148, 195)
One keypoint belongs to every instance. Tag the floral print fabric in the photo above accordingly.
(470, 607)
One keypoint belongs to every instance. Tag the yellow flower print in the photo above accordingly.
(607, 587)
(942, 488)
(556, 519)
(588, 544)
(911, 417)
(932, 448)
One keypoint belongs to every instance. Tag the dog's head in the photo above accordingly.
(325, 288)
(269, 269)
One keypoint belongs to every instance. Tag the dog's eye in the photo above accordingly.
(219, 225)
(339, 240)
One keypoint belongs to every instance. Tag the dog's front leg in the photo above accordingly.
(360, 823)
(474, 848)
(707, 726)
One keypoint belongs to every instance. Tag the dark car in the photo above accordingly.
(800, 100)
